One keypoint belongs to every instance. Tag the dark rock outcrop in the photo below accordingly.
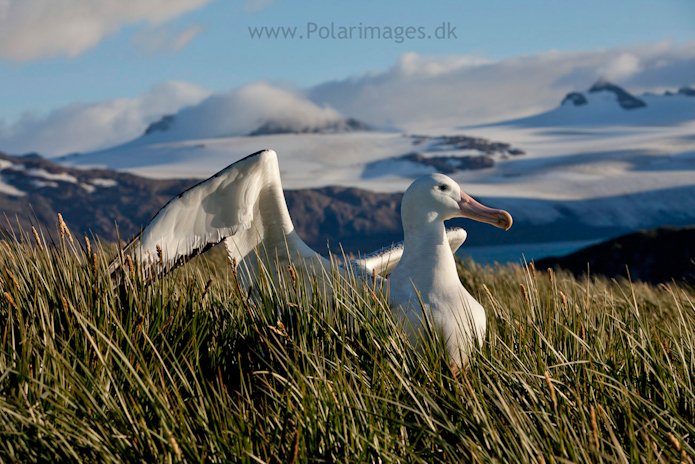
(294, 127)
(89, 199)
(651, 256)
(575, 98)
(450, 164)
(625, 100)
(463, 142)
(162, 125)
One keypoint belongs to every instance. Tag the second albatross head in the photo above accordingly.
(436, 197)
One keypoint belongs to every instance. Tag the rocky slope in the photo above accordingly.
(447, 154)
(655, 256)
(35, 189)
(94, 200)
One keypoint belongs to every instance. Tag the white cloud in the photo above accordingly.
(418, 93)
(244, 109)
(33, 29)
(422, 91)
(159, 38)
(89, 126)
(412, 64)
(185, 37)
(86, 127)
(623, 67)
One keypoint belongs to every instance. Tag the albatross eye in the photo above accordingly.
(442, 187)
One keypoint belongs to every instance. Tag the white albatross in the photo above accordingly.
(244, 206)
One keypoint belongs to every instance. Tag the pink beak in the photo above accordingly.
(473, 210)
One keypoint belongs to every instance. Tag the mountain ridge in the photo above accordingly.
(655, 256)
(359, 220)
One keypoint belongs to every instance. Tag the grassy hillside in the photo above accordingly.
(192, 368)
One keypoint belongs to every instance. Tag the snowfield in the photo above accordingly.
(601, 166)
(572, 152)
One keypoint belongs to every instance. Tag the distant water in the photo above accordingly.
(516, 253)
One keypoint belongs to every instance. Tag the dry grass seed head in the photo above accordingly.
(564, 300)
(37, 238)
(175, 447)
(551, 388)
(293, 275)
(234, 270)
(61, 225)
(13, 279)
(129, 265)
(207, 288)
(674, 442)
(532, 268)
(64, 230)
(10, 301)
(9, 251)
(488, 293)
(294, 451)
(525, 293)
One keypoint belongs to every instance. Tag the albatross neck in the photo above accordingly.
(426, 245)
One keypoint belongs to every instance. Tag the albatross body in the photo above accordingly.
(244, 206)
(427, 265)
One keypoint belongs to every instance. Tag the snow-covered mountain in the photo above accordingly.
(603, 162)
(606, 104)
(252, 110)
(168, 126)
(563, 147)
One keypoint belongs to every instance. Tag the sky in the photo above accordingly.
(80, 75)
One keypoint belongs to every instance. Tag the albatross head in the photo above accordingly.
(436, 197)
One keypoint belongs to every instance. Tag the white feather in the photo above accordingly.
(244, 206)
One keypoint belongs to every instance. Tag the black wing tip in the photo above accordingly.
(258, 153)
(135, 241)
(180, 195)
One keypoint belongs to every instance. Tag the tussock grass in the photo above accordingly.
(193, 368)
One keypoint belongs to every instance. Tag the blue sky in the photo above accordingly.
(82, 75)
(223, 55)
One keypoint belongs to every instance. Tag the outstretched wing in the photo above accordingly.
(243, 204)
(382, 262)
